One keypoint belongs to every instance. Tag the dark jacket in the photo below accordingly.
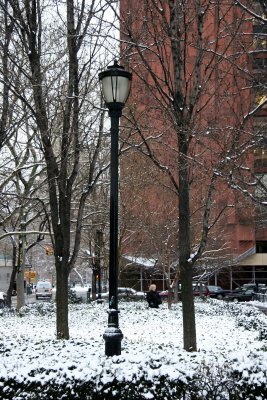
(153, 299)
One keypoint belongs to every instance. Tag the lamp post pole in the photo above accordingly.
(99, 238)
(113, 334)
(116, 87)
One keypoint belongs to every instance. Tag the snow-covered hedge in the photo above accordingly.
(205, 384)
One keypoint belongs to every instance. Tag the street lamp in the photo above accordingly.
(116, 83)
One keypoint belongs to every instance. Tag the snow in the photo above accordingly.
(152, 342)
(146, 262)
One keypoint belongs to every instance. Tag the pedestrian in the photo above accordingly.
(153, 298)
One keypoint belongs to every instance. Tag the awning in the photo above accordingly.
(255, 259)
(145, 262)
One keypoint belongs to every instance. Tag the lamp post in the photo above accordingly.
(99, 241)
(116, 84)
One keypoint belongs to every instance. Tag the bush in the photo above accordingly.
(73, 298)
(206, 384)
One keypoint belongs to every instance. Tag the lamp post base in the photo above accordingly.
(113, 335)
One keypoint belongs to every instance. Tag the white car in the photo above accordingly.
(43, 290)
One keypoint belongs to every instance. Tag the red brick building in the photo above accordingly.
(216, 54)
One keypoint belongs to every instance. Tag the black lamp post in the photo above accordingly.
(116, 83)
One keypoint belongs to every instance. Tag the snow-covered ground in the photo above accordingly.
(226, 334)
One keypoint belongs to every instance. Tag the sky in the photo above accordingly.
(152, 341)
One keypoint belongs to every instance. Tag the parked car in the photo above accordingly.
(241, 295)
(216, 292)
(126, 293)
(43, 290)
(257, 287)
(200, 289)
(2, 299)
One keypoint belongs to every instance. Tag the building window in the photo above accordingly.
(259, 63)
(260, 37)
(261, 246)
(261, 188)
(260, 161)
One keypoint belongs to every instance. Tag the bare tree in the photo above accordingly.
(20, 208)
(58, 47)
(193, 118)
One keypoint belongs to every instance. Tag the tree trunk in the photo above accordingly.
(94, 284)
(189, 325)
(170, 298)
(12, 278)
(62, 301)
(21, 270)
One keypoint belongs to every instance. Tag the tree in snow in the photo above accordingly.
(57, 48)
(190, 106)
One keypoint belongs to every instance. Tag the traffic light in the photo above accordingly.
(30, 275)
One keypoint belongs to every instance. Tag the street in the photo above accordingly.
(29, 299)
